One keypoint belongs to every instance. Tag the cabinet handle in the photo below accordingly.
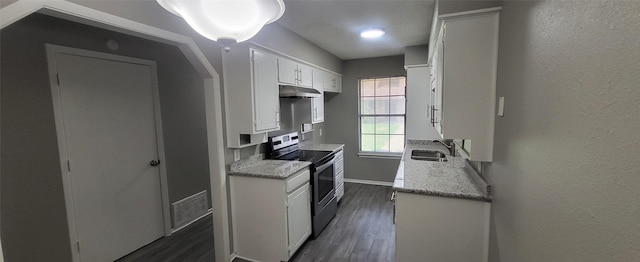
(315, 113)
(433, 114)
(277, 116)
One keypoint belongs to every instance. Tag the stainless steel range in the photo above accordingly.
(323, 203)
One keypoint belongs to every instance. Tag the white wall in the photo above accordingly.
(566, 167)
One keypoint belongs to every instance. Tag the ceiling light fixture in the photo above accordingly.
(372, 33)
(226, 21)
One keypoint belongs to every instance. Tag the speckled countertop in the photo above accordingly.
(256, 166)
(321, 147)
(454, 178)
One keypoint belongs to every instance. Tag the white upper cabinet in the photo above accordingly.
(293, 73)
(266, 97)
(332, 83)
(317, 103)
(464, 84)
(418, 125)
(287, 72)
(251, 95)
(306, 76)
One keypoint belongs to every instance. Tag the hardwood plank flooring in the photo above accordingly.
(361, 231)
(193, 243)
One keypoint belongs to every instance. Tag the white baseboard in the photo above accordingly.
(368, 182)
(186, 225)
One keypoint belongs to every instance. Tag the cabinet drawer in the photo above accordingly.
(339, 179)
(338, 166)
(339, 192)
(298, 179)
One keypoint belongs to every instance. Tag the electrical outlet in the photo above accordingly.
(236, 154)
(501, 106)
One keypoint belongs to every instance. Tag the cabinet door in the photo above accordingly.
(333, 83)
(305, 76)
(329, 82)
(298, 217)
(439, 88)
(266, 99)
(317, 103)
(317, 107)
(287, 72)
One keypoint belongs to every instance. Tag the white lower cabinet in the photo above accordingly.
(338, 170)
(432, 228)
(271, 217)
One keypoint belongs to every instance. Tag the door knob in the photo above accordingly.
(154, 162)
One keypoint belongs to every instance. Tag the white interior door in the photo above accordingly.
(110, 132)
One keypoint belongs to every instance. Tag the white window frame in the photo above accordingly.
(373, 154)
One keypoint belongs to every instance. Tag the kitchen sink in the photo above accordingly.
(428, 155)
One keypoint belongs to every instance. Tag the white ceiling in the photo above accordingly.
(335, 25)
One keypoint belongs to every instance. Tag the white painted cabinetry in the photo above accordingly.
(271, 217)
(332, 83)
(433, 228)
(294, 73)
(464, 79)
(251, 95)
(418, 104)
(317, 103)
(338, 170)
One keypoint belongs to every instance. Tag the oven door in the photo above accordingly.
(323, 184)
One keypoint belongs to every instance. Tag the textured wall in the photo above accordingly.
(566, 169)
(341, 117)
(34, 225)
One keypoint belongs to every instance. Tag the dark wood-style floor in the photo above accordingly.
(361, 231)
(193, 243)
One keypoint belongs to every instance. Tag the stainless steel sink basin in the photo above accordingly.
(428, 155)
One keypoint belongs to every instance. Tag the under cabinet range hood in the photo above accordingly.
(298, 92)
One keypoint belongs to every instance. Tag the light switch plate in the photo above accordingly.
(501, 106)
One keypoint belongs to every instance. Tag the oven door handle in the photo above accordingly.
(325, 165)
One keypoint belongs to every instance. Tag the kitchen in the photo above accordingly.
(552, 190)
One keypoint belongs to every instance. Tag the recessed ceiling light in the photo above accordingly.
(372, 33)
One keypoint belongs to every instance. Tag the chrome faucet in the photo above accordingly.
(449, 144)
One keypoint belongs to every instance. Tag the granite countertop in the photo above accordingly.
(256, 166)
(454, 178)
(321, 147)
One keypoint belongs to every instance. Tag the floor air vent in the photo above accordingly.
(189, 209)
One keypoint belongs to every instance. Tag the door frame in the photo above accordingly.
(52, 51)
(18, 10)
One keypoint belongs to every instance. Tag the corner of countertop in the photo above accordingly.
(480, 181)
(245, 162)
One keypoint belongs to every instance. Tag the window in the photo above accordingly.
(382, 115)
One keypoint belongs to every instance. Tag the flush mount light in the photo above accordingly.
(372, 33)
(226, 21)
